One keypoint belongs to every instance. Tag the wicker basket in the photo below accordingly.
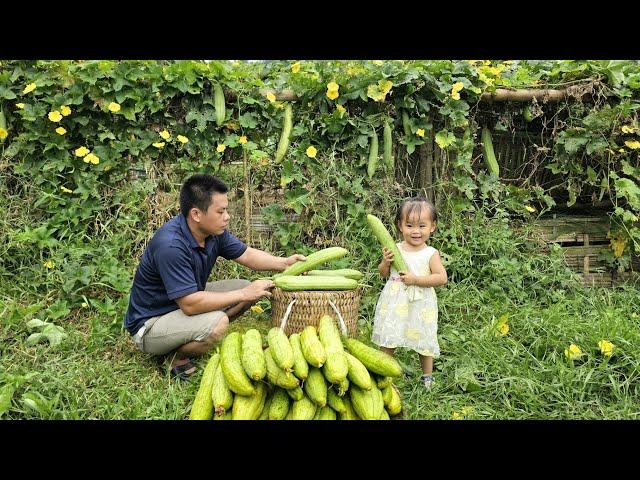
(309, 306)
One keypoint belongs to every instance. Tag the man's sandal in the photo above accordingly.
(184, 371)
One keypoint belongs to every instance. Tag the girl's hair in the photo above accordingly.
(414, 204)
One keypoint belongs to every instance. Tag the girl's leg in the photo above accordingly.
(427, 364)
(388, 350)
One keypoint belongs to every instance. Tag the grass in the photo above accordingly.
(97, 373)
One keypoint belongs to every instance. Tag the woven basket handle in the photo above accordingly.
(287, 312)
(343, 326)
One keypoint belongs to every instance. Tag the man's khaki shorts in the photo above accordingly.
(161, 335)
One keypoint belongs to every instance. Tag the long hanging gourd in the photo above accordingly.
(283, 144)
(373, 155)
(3, 124)
(218, 103)
(387, 157)
(487, 152)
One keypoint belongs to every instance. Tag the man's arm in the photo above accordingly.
(202, 301)
(259, 260)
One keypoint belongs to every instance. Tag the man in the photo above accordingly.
(172, 307)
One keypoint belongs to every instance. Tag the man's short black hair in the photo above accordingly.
(197, 192)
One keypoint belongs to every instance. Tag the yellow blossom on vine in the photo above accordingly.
(633, 144)
(159, 144)
(29, 88)
(182, 139)
(91, 158)
(65, 111)
(243, 140)
(529, 208)
(332, 94)
(49, 264)
(332, 86)
(606, 348)
(257, 309)
(420, 132)
(114, 107)
(628, 129)
(81, 152)
(20, 105)
(221, 148)
(55, 116)
(573, 352)
(271, 97)
(66, 190)
(340, 108)
(3, 133)
(295, 68)
(456, 89)
(311, 151)
(61, 131)
(164, 134)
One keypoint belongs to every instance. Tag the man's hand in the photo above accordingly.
(257, 289)
(409, 278)
(293, 259)
(387, 255)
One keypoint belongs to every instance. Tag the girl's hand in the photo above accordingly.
(409, 278)
(387, 257)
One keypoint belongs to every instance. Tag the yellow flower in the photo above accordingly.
(243, 140)
(49, 264)
(166, 135)
(622, 150)
(66, 190)
(457, 416)
(573, 352)
(332, 94)
(61, 131)
(3, 133)
(332, 87)
(182, 139)
(311, 151)
(221, 148)
(529, 208)
(159, 144)
(55, 116)
(107, 168)
(81, 152)
(20, 105)
(627, 129)
(257, 309)
(420, 132)
(295, 68)
(456, 89)
(503, 329)
(29, 88)
(606, 347)
(634, 144)
(114, 107)
(271, 97)
(91, 158)
(340, 108)
(65, 111)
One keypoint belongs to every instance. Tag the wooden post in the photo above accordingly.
(586, 256)
(247, 198)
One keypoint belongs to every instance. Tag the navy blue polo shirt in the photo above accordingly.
(174, 265)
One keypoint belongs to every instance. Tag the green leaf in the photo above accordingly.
(248, 120)
(6, 394)
(34, 339)
(36, 323)
(6, 93)
(626, 187)
(444, 138)
(573, 144)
